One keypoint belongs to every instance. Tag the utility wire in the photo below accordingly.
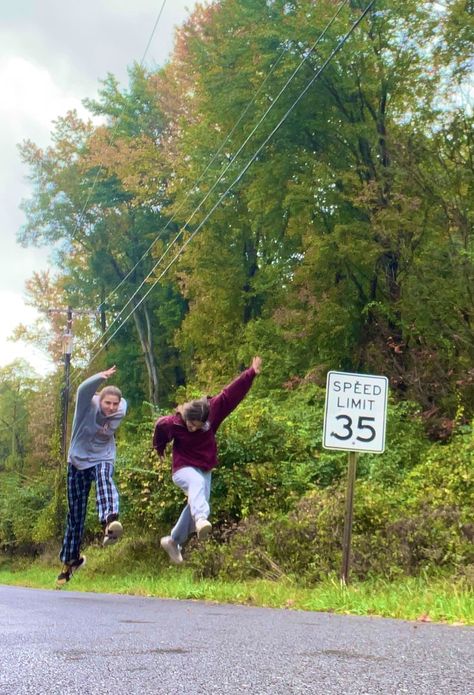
(246, 167)
(198, 181)
(94, 183)
(100, 169)
(153, 33)
(221, 175)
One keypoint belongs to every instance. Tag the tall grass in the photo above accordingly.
(439, 599)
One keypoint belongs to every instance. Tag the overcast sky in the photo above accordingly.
(52, 55)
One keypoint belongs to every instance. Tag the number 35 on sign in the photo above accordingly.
(356, 412)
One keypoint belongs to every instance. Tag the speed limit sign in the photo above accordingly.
(355, 412)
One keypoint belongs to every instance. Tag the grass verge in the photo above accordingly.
(439, 599)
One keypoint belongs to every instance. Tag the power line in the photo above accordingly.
(246, 167)
(13, 425)
(198, 181)
(221, 175)
(152, 33)
(100, 169)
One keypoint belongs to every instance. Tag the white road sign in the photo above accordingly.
(355, 412)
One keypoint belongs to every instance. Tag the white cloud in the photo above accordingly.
(14, 311)
(31, 99)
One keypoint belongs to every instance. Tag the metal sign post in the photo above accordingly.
(354, 420)
(346, 539)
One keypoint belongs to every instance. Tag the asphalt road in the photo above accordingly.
(60, 643)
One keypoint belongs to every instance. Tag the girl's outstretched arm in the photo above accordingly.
(230, 397)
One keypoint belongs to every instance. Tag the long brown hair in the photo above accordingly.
(194, 410)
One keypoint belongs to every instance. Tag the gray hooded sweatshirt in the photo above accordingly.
(92, 437)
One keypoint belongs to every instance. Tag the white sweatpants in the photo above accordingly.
(196, 484)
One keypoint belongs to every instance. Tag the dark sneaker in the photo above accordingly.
(113, 533)
(173, 549)
(68, 570)
(203, 529)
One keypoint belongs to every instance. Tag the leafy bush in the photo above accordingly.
(21, 503)
(270, 453)
(423, 524)
(278, 497)
(148, 498)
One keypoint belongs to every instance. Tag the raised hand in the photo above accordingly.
(108, 372)
(257, 364)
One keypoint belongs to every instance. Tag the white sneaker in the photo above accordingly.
(173, 549)
(203, 528)
(113, 533)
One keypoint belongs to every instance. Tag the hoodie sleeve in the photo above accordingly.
(85, 393)
(123, 407)
(162, 434)
(230, 397)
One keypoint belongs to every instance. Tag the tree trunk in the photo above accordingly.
(142, 324)
(153, 369)
(142, 320)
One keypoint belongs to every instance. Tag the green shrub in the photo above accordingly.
(21, 503)
(278, 497)
(423, 524)
(148, 498)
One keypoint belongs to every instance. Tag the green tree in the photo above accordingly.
(322, 245)
(17, 383)
(85, 202)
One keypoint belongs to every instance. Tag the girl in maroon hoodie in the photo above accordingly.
(192, 430)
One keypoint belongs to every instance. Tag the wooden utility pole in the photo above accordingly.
(67, 351)
(67, 340)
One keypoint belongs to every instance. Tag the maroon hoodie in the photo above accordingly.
(199, 449)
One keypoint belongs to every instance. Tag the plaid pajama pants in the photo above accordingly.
(78, 486)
